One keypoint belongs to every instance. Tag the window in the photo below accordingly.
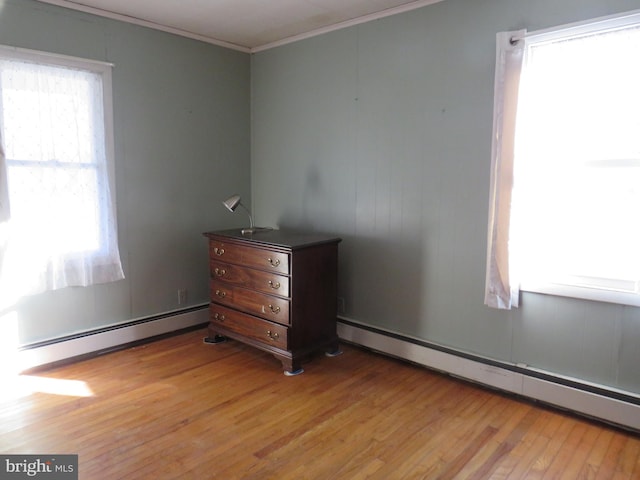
(575, 206)
(55, 126)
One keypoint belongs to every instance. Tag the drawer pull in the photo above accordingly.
(221, 293)
(272, 335)
(272, 262)
(219, 317)
(275, 286)
(218, 251)
(220, 272)
(275, 309)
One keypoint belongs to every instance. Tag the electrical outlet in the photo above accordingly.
(182, 296)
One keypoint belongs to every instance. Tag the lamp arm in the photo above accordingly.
(248, 213)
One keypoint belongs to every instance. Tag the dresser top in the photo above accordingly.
(278, 238)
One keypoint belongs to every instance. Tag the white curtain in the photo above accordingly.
(62, 230)
(4, 212)
(4, 189)
(501, 288)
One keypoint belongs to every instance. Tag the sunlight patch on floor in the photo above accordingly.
(18, 386)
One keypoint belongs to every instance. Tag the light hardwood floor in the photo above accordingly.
(178, 408)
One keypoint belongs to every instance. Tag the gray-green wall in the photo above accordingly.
(381, 133)
(182, 144)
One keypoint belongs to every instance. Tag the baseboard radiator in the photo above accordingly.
(616, 407)
(102, 340)
(609, 405)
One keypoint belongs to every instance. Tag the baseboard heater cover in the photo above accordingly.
(108, 338)
(611, 406)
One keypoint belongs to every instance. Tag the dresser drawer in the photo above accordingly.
(270, 307)
(262, 259)
(266, 282)
(231, 321)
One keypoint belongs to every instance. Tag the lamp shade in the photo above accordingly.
(232, 202)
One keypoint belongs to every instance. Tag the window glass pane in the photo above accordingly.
(581, 97)
(577, 174)
(64, 203)
(55, 113)
(55, 124)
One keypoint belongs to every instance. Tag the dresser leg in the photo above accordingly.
(333, 350)
(215, 339)
(333, 353)
(290, 366)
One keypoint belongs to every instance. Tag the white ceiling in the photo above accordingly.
(246, 25)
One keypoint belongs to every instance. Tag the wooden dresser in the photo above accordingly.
(275, 290)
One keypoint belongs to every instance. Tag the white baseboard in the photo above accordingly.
(582, 401)
(105, 339)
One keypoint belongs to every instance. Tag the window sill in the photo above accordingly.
(585, 293)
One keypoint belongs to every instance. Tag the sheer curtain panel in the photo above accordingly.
(55, 123)
(4, 189)
(501, 289)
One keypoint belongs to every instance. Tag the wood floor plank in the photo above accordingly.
(555, 444)
(181, 409)
(575, 462)
(420, 441)
(628, 459)
(499, 447)
(422, 453)
(530, 449)
(562, 457)
(612, 457)
(523, 452)
(596, 455)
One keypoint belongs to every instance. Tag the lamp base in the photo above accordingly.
(250, 231)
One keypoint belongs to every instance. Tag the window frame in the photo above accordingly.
(569, 289)
(106, 256)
